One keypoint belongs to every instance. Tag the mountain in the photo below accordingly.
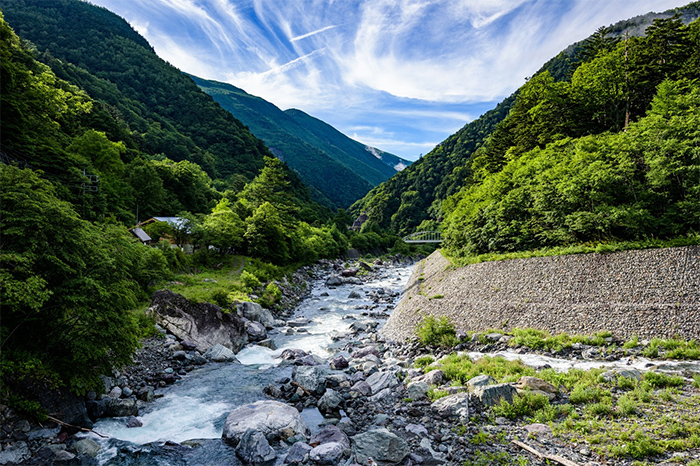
(341, 168)
(416, 194)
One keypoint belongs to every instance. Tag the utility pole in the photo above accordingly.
(627, 86)
(91, 185)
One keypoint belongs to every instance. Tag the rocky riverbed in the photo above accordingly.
(322, 386)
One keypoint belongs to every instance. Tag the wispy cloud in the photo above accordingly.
(312, 33)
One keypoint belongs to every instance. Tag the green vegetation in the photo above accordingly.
(437, 332)
(672, 348)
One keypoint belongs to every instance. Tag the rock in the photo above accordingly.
(329, 404)
(254, 449)
(61, 403)
(256, 313)
(180, 355)
(272, 418)
(383, 447)
(121, 407)
(613, 375)
(349, 272)
(453, 406)
(133, 422)
(382, 395)
(330, 434)
(537, 429)
(358, 326)
(381, 380)
(334, 281)
(115, 392)
(220, 353)
(493, 394)
(298, 453)
(362, 388)
(63, 455)
(255, 330)
(188, 345)
(418, 390)
(292, 354)
(268, 343)
(312, 378)
(197, 359)
(15, 453)
(481, 381)
(367, 350)
(434, 377)
(493, 336)
(352, 281)
(354, 295)
(417, 429)
(327, 453)
(300, 322)
(87, 446)
(127, 392)
(339, 362)
(145, 394)
(535, 384)
(96, 409)
(203, 324)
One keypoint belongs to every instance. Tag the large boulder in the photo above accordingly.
(204, 324)
(330, 403)
(256, 313)
(381, 380)
(254, 449)
(273, 419)
(255, 330)
(219, 353)
(121, 407)
(330, 434)
(383, 447)
(327, 453)
(311, 378)
(453, 406)
(491, 395)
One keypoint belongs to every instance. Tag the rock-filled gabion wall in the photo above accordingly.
(648, 293)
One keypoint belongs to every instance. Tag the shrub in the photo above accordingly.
(659, 380)
(524, 404)
(249, 280)
(438, 332)
(423, 361)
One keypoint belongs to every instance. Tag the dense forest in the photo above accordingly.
(77, 173)
(341, 168)
(413, 199)
(611, 154)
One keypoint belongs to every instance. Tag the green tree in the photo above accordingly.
(223, 228)
(265, 236)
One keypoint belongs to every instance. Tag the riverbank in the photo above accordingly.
(648, 293)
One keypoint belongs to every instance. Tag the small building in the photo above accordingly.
(357, 224)
(178, 224)
(141, 235)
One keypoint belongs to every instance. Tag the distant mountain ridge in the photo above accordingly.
(338, 166)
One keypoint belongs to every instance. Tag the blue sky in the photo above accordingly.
(400, 75)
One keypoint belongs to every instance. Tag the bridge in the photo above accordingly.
(424, 237)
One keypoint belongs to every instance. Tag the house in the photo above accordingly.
(179, 226)
(140, 235)
(357, 224)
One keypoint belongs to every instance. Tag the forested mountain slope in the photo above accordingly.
(343, 169)
(417, 193)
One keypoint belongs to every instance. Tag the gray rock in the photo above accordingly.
(63, 455)
(330, 434)
(493, 394)
(493, 336)
(418, 390)
(362, 388)
(197, 359)
(298, 453)
(367, 350)
(383, 447)
(268, 343)
(330, 403)
(613, 375)
(312, 378)
(300, 322)
(481, 381)
(255, 330)
(115, 392)
(417, 429)
(453, 406)
(256, 313)
(327, 453)
(384, 394)
(145, 394)
(381, 380)
(354, 295)
(334, 281)
(220, 353)
(203, 324)
(180, 355)
(15, 453)
(254, 449)
(274, 419)
(121, 407)
(338, 362)
(133, 422)
(349, 272)
(434, 377)
(87, 446)
(127, 392)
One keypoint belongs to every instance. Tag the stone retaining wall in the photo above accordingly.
(649, 293)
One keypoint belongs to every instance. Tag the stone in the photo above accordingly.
(63, 455)
(493, 336)
(220, 353)
(256, 313)
(311, 378)
(300, 322)
(481, 381)
(354, 295)
(339, 362)
(334, 281)
(133, 422)
(115, 392)
(188, 345)
(330, 434)
(15, 453)
(204, 324)
(145, 394)
(327, 453)
(255, 330)
(453, 406)
(180, 355)
(362, 388)
(418, 390)
(96, 409)
(87, 446)
(537, 429)
(384, 394)
(268, 343)
(613, 375)
(121, 407)
(417, 429)
(298, 453)
(382, 446)
(273, 419)
(367, 350)
(349, 272)
(493, 394)
(254, 449)
(381, 380)
(434, 377)
(127, 392)
(535, 384)
(329, 404)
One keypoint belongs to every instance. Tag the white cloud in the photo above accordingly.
(312, 33)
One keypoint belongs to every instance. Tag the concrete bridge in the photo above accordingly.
(424, 237)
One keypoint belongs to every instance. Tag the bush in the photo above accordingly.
(249, 280)
(437, 332)
(524, 404)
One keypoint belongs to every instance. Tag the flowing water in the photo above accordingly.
(196, 406)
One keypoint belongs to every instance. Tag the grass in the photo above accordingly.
(592, 247)
(542, 340)
(437, 332)
(672, 348)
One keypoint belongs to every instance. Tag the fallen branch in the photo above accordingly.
(305, 390)
(539, 454)
(84, 429)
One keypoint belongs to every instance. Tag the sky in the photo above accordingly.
(399, 75)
